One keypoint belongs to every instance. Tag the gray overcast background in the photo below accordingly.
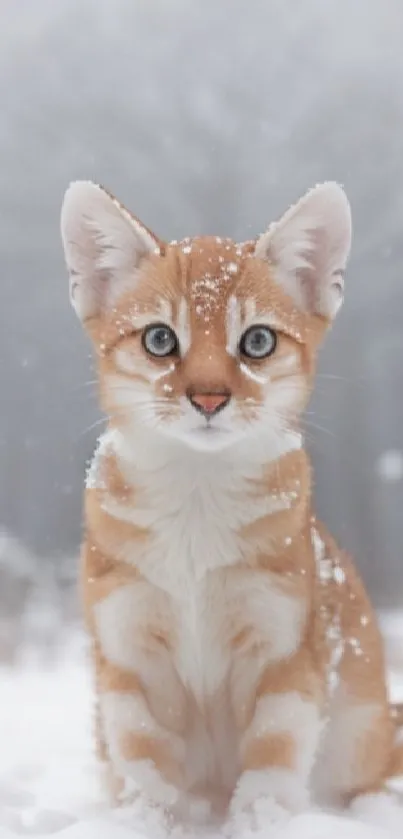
(204, 116)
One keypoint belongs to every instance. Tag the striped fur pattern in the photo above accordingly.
(235, 648)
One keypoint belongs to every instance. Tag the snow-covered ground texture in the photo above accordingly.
(48, 779)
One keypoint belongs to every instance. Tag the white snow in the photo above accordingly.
(48, 777)
(390, 466)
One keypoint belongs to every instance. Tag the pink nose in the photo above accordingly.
(209, 403)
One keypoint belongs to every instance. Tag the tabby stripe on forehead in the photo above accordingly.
(183, 326)
(165, 311)
(233, 324)
(250, 310)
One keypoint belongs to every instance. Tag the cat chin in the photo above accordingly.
(207, 439)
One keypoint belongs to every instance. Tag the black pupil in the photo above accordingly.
(162, 338)
(259, 339)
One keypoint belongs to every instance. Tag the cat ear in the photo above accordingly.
(103, 246)
(308, 249)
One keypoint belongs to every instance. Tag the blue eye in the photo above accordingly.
(258, 342)
(160, 340)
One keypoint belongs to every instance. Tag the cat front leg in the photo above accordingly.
(141, 701)
(280, 740)
(145, 758)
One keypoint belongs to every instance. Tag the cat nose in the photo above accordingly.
(209, 404)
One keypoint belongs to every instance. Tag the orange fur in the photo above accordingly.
(254, 699)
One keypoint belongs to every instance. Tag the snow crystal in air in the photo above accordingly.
(205, 291)
(390, 466)
(339, 575)
(325, 570)
(318, 545)
(355, 646)
(232, 268)
(94, 478)
(329, 571)
(336, 640)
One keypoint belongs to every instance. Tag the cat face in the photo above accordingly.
(209, 351)
(205, 341)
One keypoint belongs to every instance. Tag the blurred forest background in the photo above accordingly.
(204, 116)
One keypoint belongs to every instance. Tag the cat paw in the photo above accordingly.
(269, 796)
(263, 812)
(192, 809)
(142, 781)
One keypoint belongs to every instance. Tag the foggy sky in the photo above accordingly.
(206, 116)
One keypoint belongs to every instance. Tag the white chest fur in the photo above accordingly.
(195, 582)
(222, 634)
(225, 622)
(221, 624)
(193, 507)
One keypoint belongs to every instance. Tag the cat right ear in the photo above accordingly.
(308, 249)
(103, 246)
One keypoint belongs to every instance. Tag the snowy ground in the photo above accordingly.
(48, 783)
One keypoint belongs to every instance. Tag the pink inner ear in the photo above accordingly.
(104, 245)
(309, 247)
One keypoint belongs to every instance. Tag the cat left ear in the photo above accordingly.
(308, 249)
(104, 247)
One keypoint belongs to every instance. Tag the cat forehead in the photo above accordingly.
(204, 283)
(202, 271)
(206, 276)
(200, 259)
(210, 267)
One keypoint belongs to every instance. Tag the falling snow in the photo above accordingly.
(390, 466)
(232, 268)
(94, 478)
(339, 575)
(330, 571)
(213, 150)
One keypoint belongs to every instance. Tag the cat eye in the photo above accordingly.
(258, 342)
(160, 340)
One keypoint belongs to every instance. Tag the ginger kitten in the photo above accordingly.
(235, 648)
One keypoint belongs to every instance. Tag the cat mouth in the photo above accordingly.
(211, 429)
(209, 437)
